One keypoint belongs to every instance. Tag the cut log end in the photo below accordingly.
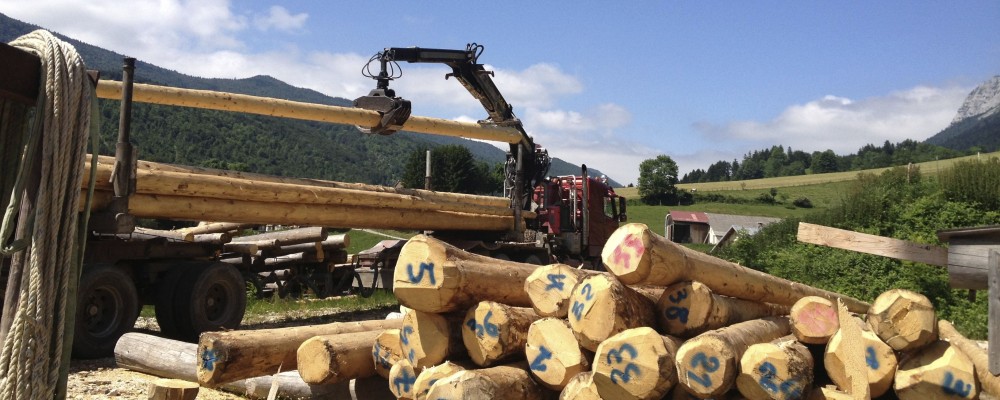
(429, 376)
(493, 332)
(602, 307)
(172, 389)
(684, 308)
(636, 363)
(419, 279)
(425, 338)
(814, 320)
(777, 370)
(880, 361)
(580, 387)
(903, 319)
(402, 377)
(387, 351)
(625, 253)
(706, 366)
(937, 371)
(554, 354)
(550, 287)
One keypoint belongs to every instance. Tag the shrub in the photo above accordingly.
(802, 202)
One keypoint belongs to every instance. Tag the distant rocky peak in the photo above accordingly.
(982, 102)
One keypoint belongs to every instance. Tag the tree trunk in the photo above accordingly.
(494, 332)
(433, 276)
(550, 286)
(554, 354)
(708, 364)
(637, 363)
(233, 355)
(329, 359)
(505, 382)
(602, 307)
(638, 256)
(688, 308)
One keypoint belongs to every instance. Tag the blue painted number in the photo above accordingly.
(956, 387)
(556, 282)
(424, 267)
(871, 358)
(538, 364)
(709, 364)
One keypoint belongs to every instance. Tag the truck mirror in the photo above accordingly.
(622, 216)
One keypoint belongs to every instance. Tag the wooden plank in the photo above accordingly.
(20, 72)
(871, 244)
(994, 319)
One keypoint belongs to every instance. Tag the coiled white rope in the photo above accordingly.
(33, 351)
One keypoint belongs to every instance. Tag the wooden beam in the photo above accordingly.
(994, 318)
(20, 71)
(211, 100)
(871, 244)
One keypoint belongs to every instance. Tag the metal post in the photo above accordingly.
(994, 318)
(124, 181)
(517, 200)
(427, 173)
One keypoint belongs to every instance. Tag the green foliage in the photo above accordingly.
(802, 202)
(898, 203)
(453, 169)
(975, 182)
(658, 181)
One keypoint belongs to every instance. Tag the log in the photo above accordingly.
(936, 371)
(286, 237)
(989, 382)
(387, 351)
(814, 320)
(880, 362)
(212, 227)
(853, 348)
(689, 308)
(211, 238)
(550, 286)
(402, 377)
(580, 387)
(903, 319)
(241, 248)
(433, 276)
(708, 364)
(334, 242)
(429, 376)
(330, 359)
(172, 389)
(639, 256)
(498, 202)
(173, 359)
(782, 369)
(495, 332)
(234, 355)
(503, 382)
(428, 339)
(554, 355)
(207, 99)
(637, 363)
(602, 307)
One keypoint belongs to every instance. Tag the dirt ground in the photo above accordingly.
(101, 379)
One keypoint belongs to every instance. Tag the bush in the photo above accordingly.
(802, 202)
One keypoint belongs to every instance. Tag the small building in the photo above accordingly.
(710, 228)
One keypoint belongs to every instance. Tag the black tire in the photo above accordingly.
(107, 307)
(166, 289)
(209, 298)
(533, 259)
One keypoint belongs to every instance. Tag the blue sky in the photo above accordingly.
(608, 84)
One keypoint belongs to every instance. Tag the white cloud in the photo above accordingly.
(845, 125)
(279, 18)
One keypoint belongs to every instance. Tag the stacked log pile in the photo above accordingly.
(660, 324)
(197, 194)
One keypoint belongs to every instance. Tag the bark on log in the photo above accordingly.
(212, 238)
(782, 369)
(207, 99)
(602, 307)
(903, 319)
(429, 376)
(214, 227)
(989, 382)
(438, 197)
(689, 308)
(179, 360)
(241, 248)
(505, 382)
(554, 354)
(433, 276)
(637, 364)
(814, 320)
(936, 371)
(638, 256)
(428, 339)
(287, 237)
(334, 242)
(708, 364)
(402, 377)
(550, 286)
(330, 359)
(880, 362)
(387, 351)
(580, 387)
(495, 332)
(234, 355)
(172, 389)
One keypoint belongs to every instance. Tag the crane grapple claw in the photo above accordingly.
(394, 111)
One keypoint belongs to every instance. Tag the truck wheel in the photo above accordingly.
(107, 307)
(533, 259)
(166, 290)
(209, 298)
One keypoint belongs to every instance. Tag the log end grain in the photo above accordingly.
(903, 319)
(212, 361)
(880, 362)
(937, 371)
(636, 363)
(706, 365)
(386, 351)
(172, 389)
(425, 338)
(402, 377)
(429, 376)
(776, 370)
(554, 355)
(625, 253)
(601, 307)
(419, 280)
(314, 352)
(685, 308)
(580, 387)
(814, 320)
(549, 288)
(493, 331)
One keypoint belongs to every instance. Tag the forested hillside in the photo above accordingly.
(255, 143)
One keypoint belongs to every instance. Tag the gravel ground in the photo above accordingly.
(101, 379)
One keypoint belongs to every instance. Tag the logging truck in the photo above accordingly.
(197, 278)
